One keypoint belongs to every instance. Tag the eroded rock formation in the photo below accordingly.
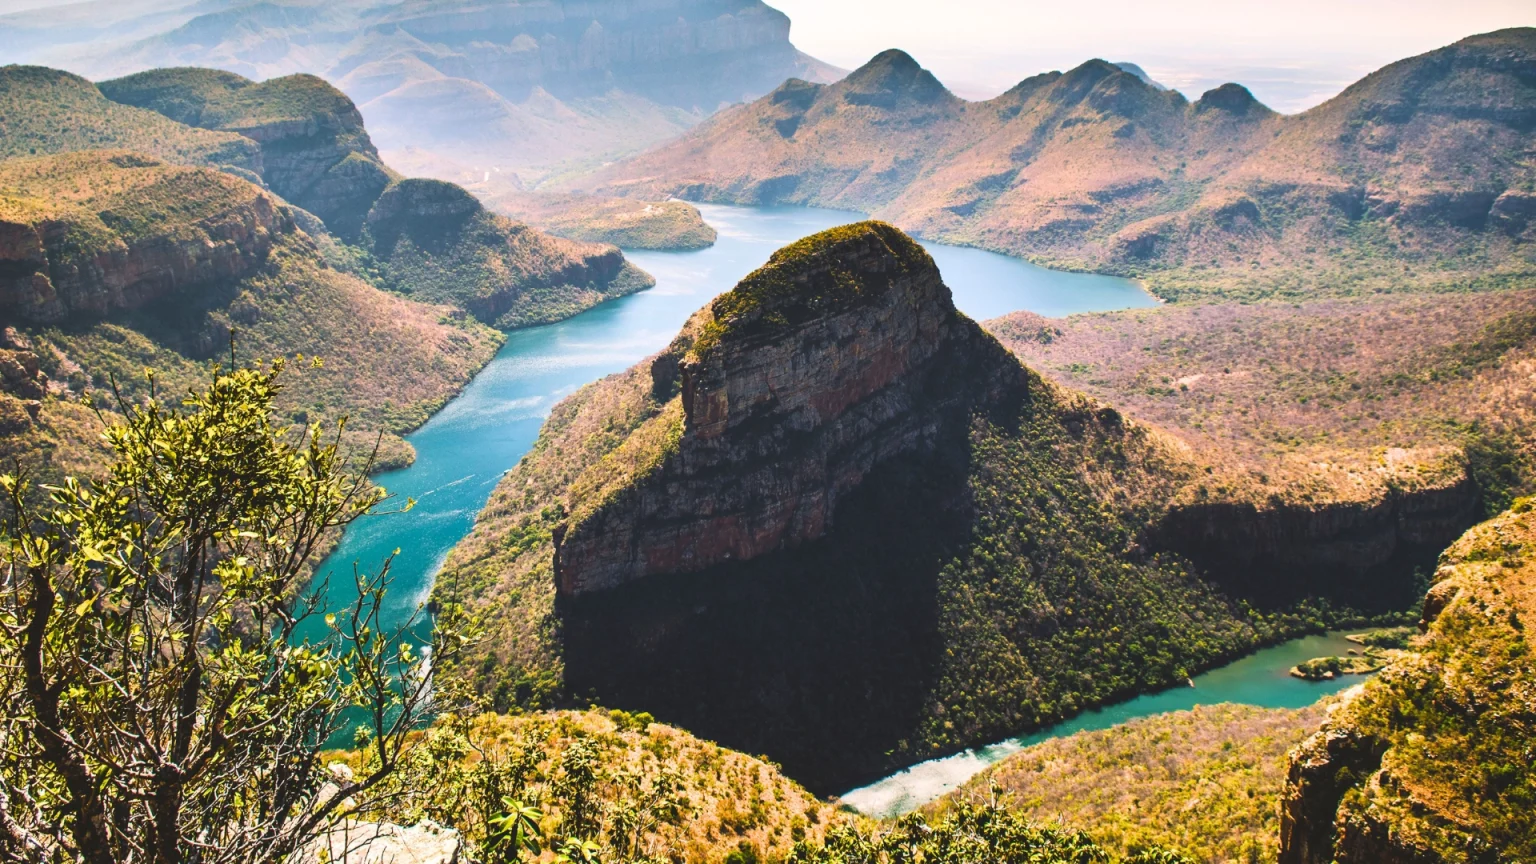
(843, 352)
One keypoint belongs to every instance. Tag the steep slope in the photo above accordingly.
(422, 237)
(1204, 782)
(1417, 176)
(837, 523)
(526, 85)
(315, 151)
(112, 262)
(442, 246)
(1431, 763)
(45, 111)
(657, 790)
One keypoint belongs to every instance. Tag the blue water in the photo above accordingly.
(464, 449)
(1261, 679)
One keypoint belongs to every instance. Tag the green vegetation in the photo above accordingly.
(1450, 720)
(214, 99)
(665, 225)
(803, 281)
(391, 361)
(46, 111)
(111, 202)
(1204, 781)
(969, 833)
(1391, 637)
(433, 241)
(315, 151)
(637, 790)
(150, 621)
(1328, 668)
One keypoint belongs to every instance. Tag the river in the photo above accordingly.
(1262, 678)
(466, 447)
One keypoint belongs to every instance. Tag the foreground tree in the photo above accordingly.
(155, 703)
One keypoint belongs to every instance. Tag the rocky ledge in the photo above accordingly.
(115, 251)
(1430, 761)
(843, 352)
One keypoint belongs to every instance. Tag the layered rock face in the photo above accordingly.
(843, 352)
(97, 259)
(1333, 548)
(1430, 761)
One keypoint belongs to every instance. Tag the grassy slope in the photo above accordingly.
(434, 241)
(45, 111)
(1310, 395)
(1204, 782)
(1456, 781)
(691, 799)
(389, 361)
(1387, 187)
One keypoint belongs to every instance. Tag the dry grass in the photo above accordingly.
(726, 798)
(1206, 782)
(1324, 394)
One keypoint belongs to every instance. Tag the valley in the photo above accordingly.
(465, 431)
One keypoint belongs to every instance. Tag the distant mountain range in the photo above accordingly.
(462, 86)
(1422, 173)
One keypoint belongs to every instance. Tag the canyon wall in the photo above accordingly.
(66, 262)
(1429, 761)
(803, 380)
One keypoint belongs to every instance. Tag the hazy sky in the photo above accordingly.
(1292, 54)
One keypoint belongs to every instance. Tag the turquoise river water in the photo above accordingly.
(466, 447)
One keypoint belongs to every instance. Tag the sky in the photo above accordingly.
(1291, 54)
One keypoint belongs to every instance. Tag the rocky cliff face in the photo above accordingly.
(1430, 763)
(844, 352)
(441, 244)
(315, 151)
(1355, 551)
(95, 259)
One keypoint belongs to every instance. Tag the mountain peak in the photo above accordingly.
(890, 77)
(819, 276)
(840, 353)
(1234, 99)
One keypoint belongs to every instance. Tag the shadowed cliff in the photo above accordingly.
(836, 522)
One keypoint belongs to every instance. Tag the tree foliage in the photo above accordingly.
(155, 703)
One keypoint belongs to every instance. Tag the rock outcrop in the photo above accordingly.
(440, 244)
(1430, 763)
(1350, 550)
(844, 352)
(315, 151)
(106, 253)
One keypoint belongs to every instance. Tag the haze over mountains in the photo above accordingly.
(1095, 168)
(517, 86)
